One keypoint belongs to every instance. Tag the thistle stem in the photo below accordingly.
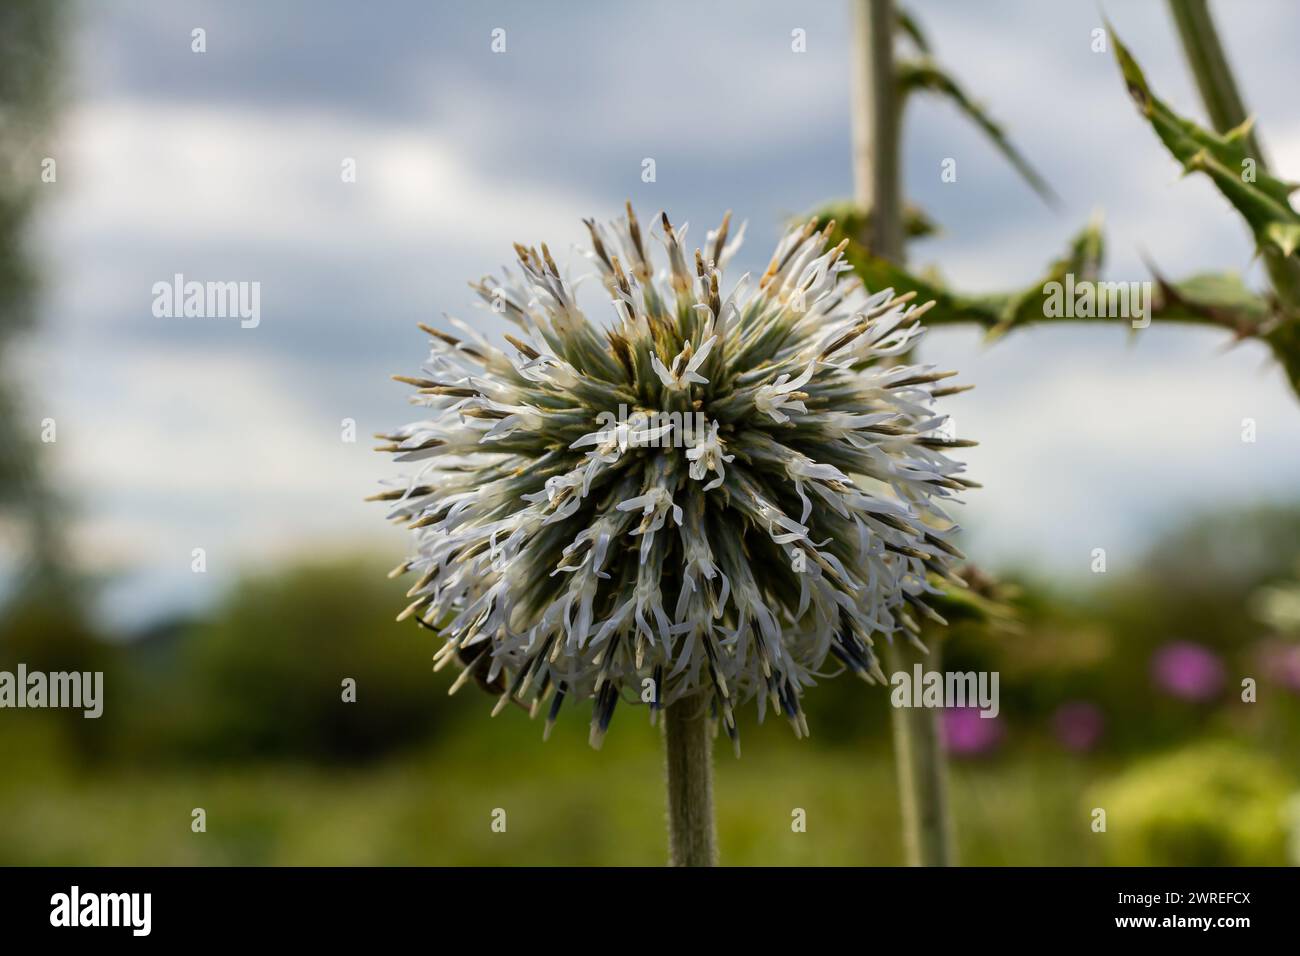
(922, 773)
(877, 177)
(688, 746)
(877, 170)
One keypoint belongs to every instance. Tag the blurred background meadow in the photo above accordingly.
(1121, 690)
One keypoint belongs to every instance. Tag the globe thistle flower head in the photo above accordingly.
(711, 494)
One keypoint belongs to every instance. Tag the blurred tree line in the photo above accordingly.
(260, 676)
(30, 47)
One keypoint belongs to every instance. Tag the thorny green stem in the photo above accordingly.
(1209, 65)
(688, 746)
(927, 830)
(1223, 103)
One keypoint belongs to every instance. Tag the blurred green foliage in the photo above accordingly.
(1214, 804)
(49, 638)
(265, 677)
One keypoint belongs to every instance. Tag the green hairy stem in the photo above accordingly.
(688, 746)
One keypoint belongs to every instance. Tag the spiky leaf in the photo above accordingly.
(997, 312)
(1284, 339)
(1219, 298)
(1225, 159)
(926, 76)
(908, 26)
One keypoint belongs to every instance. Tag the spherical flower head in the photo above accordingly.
(710, 495)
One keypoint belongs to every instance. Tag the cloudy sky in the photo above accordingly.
(226, 165)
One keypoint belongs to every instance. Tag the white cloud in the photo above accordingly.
(177, 173)
(198, 450)
(1084, 448)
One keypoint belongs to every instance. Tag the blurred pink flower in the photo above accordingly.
(967, 734)
(1280, 661)
(1078, 725)
(1188, 671)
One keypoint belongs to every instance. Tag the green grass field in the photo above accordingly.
(564, 805)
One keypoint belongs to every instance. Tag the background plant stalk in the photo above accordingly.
(922, 771)
(918, 754)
